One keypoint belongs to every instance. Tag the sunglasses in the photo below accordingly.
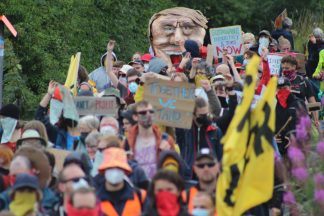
(144, 112)
(122, 75)
(202, 165)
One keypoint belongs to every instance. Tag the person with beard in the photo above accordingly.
(117, 196)
(286, 113)
(204, 133)
(145, 140)
(300, 86)
(206, 168)
(314, 46)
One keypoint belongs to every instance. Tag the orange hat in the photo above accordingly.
(114, 158)
(6, 156)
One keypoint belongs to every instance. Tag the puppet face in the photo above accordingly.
(168, 31)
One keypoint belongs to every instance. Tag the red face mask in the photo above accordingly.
(167, 204)
(282, 96)
(290, 74)
(71, 211)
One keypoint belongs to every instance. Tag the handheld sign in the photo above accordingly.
(96, 106)
(60, 156)
(173, 101)
(274, 61)
(229, 38)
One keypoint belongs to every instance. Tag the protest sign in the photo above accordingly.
(96, 106)
(60, 156)
(300, 57)
(274, 61)
(210, 54)
(229, 38)
(173, 102)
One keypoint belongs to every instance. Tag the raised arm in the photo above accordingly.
(112, 76)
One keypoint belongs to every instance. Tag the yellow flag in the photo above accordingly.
(241, 165)
(72, 76)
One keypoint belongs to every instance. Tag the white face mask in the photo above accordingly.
(108, 130)
(200, 212)
(8, 126)
(146, 66)
(114, 175)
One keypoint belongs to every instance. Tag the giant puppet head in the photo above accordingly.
(168, 28)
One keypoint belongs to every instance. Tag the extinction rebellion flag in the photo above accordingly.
(247, 175)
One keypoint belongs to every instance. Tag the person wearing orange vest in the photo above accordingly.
(118, 197)
(206, 168)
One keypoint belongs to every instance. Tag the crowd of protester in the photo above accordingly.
(127, 165)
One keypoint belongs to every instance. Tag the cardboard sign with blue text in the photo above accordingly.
(87, 105)
(173, 102)
(229, 38)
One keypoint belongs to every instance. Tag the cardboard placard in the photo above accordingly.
(173, 102)
(60, 156)
(313, 106)
(87, 105)
(229, 37)
(274, 61)
(210, 55)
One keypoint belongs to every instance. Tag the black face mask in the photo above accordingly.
(83, 136)
(203, 120)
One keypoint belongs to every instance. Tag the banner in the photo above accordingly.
(72, 76)
(243, 182)
(173, 102)
(96, 106)
(274, 61)
(229, 38)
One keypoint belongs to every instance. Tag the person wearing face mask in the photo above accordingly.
(203, 205)
(145, 140)
(204, 133)
(300, 86)
(286, 113)
(117, 196)
(25, 196)
(10, 130)
(248, 41)
(83, 202)
(164, 195)
(263, 42)
(86, 125)
(127, 91)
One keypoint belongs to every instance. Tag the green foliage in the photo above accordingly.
(49, 32)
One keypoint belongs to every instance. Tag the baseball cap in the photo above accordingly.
(139, 62)
(24, 180)
(264, 32)
(146, 57)
(205, 153)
